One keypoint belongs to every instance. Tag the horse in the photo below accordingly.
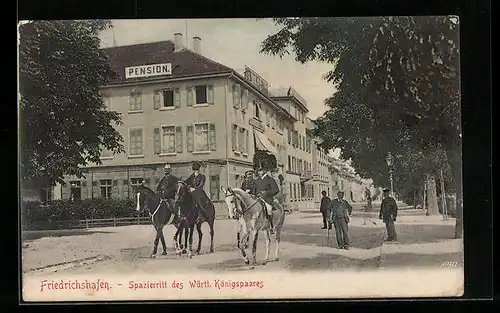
(192, 217)
(252, 218)
(161, 212)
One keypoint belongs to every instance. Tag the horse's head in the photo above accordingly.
(233, 202)
(142, 192)
(182, 192)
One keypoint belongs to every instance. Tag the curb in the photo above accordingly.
(95, 258)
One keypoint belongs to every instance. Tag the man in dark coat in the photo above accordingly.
(340, 210)
(323, 208)
(167, 186)
(249, 183)
(388, 213)
(267, 188)
(196, 183)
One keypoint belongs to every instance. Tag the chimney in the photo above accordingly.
(197, 45)
(178, 42)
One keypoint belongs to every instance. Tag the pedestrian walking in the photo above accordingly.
(340, 210)
(388, 213)
(324, 209)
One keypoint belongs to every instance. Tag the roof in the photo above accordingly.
(289, 93)
(184, 62)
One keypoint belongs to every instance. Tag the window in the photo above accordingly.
(291, 191)
(201, 137)
(237, 95)
(234, 137)
(268, 118)
(168, 139)
(171, 98)
(256, 109)
(289, 163)
(106, 188)
(46, 195)
(135, 101)
(76, 190)
(241, 140)
(214, 187)
(136, 142)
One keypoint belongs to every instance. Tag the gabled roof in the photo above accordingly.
(184, 62)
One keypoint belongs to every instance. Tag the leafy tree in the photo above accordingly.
(263, 158)
(398, 90)
(63, 120)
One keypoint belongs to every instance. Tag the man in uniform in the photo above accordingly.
(249, 183)
(340, 210)
(323, 208)
(167, 186)
(267, 188)
(388, 213)
(196, 183)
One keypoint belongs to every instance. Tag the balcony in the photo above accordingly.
(305, 176)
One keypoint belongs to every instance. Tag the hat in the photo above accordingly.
(167, 166)
(386, 190)
(196, 166)
(340, 192)
(248, 172)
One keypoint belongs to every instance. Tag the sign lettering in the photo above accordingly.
(148, 70)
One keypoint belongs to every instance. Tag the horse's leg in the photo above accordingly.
(162, 238)
(177, 239)
(186, 238)
(255, 235)
(268, 242)
(200, 237)
(190, 250)
(155, 244)
(278, 235)
(181, 246)
(211, 225)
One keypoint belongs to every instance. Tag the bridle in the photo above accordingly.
(240, 211)
(157, 208)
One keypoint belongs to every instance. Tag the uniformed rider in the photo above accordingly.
(196, 183)
(167, 186)
(267, 188)
(249, 183)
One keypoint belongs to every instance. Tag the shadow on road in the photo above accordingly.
(323, 261)
(415, 260)
(311, 234)
(410, 234)
(37, 234)
(230, 265)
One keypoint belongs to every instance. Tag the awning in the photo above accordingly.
(263, 143)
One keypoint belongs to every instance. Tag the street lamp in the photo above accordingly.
(389, 164)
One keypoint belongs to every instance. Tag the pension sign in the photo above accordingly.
(148, 70)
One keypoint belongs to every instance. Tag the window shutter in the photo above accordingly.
(190, 96)
(157, 140)
(157, 99)
(190, 138)
(246, 142)
(244, 104)
(210, 94)
(212, 137)
(177, 98)
(178, 139)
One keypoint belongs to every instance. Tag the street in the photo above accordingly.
(422, 242)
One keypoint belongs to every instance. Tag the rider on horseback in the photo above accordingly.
(267, 188)
(196, 182)
(168, 186)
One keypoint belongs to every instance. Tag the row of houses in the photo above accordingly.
(178, 106)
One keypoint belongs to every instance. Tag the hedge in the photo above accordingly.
(66, 210)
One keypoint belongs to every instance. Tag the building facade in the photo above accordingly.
(298, 161)
(190, 109)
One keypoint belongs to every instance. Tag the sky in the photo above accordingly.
(234, 43)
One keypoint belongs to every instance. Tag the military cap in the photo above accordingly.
(249, 172)
(196, 166)
(386, 190)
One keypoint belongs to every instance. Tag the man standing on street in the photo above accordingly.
(340, 210)
(323, 208)
(388, 213)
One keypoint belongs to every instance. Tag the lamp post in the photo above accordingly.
(389, 164)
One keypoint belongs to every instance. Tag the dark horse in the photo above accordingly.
(162, 212)
(192, 217)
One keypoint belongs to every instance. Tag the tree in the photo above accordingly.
(398, 90)
(63, 120)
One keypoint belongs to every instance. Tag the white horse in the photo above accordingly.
(251, 215)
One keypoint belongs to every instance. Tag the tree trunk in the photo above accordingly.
(432, 201)
(454, 154)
